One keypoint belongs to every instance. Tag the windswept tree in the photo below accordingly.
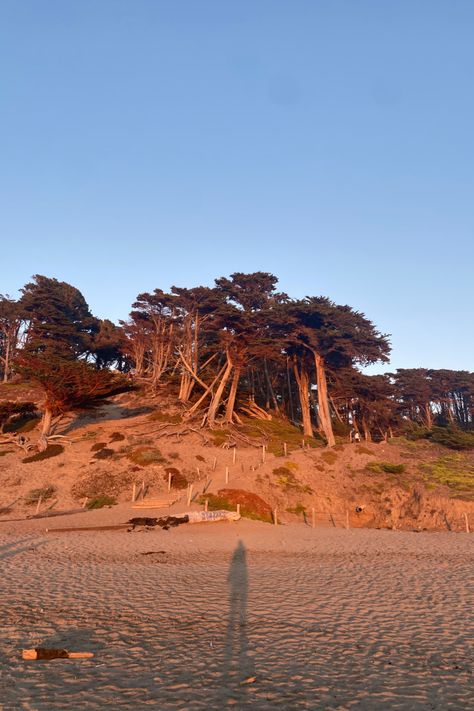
(11, 322)
(60, 334)
(333, 337)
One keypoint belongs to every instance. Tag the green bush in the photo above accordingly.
(452, 471)
(100, 501)
(44, 493)
(386, 467)
(146, 455)
(453, 437)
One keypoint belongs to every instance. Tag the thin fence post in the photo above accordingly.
(302, 444)
(238, 509)
(206, 504)
(347, 519)
(227, 475)
(214, 464)
(169, 482)
(466, 520)
(234, 454)
(313, 518)
(285, 449)
(263, 453)
(275, 517)
(134, 492)
(84, 503)
(38, 505)
(190, 493)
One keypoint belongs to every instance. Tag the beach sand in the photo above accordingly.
(244, 615)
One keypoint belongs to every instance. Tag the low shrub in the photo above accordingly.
(98, 502)
(453, 471)
(98, 445)
(44, 493)
(51, 451)
(251, 505)
(104, 453)
(453, 437)
(288, 481)
(116, 437)
(298, 509)
(145, 456)
(386, 467)
(104, 483)
(274, 433)
(329, 457)
(178, 480)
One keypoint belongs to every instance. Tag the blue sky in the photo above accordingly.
(148, 143)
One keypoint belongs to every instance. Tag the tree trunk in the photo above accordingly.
(216, 399)
(232, 395)
(45, 429)
(302, 380)
(323, 405)
(6, 362)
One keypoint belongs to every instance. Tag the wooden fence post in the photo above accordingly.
(190, 493)
(285, 449)
(347, 519)
(313, 518)
(466, 520)
(227, 475)
(234, 454)
(275, 517)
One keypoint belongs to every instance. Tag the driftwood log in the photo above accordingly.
(45, 653)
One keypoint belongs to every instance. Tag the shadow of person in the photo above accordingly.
(238, 665)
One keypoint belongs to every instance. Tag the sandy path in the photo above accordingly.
(325, 619)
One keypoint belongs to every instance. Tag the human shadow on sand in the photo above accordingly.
(238, 664)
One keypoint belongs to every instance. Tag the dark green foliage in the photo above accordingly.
(51, 451)
(287, 480)
(98, 502)
(251, 505)
(146, 455)
(298, 509)
(97, 446)
(453, 471)
(178, 480)
(104, 453)
(44, 493)
(453, 438)
(386, 467)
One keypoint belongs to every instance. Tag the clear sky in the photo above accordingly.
(146, 143)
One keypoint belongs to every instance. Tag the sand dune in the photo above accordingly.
(185, 619)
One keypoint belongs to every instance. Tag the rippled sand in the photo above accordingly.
(245, 615)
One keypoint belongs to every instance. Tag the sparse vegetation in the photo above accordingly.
(299, 509)
(329, 457)
(44, 493)
(104, 453)
(116, 437)
(287, 480)
(146, 455)
(98, 502)
(274, 433)
(453, 471)
(178, 480)
(386, 467)
(97, 446)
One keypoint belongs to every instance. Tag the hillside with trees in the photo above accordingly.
(238, 363)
